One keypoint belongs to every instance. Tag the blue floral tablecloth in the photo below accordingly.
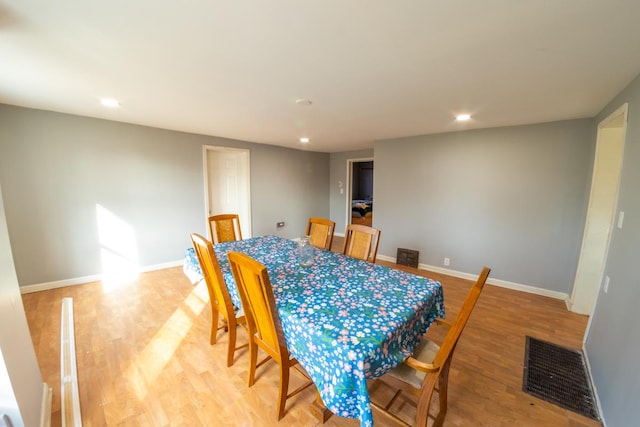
(344, 319)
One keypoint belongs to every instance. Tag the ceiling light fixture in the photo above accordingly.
(110, 102)
(463, 117)
(303, 102)
(304, 140)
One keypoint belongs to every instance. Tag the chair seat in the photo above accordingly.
(425, 352)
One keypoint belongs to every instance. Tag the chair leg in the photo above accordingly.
(253, 360)
(426, 393)
(284, 388)
(442, 392)
(214, 324)
(232, 343)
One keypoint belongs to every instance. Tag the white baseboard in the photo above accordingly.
(93, 278)
(496, 282)
(45, 407)
(59, 284)
(162, 266)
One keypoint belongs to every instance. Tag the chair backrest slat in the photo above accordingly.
(224, 228)
(451, 339)
(258, 301)
(444, 355)
(361, 241)
(320, 232)
(218, 293)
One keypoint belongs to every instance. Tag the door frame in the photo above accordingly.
(350, 163)
(582, 285)
(246, 228)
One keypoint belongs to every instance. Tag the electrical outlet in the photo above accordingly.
(280, 224)
(446, 262)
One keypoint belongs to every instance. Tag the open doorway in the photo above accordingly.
(601, 211)
(360, 195)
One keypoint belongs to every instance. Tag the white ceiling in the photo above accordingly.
(373, 69)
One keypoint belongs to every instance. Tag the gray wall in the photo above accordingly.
(56, 169)
(512, 198)
(21, 384)
(612, 344)
(287, 185)
(339, 174)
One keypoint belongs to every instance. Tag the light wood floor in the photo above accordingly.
(144, 358)
(364, 221)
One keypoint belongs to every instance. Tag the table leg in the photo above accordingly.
(321, 412)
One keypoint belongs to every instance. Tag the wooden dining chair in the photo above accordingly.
(218, 295)
(263, 322)
(361, 241)
(224, 228)
(320, 232)
(429, 365)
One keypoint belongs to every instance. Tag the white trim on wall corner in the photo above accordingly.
(45, 408)
(88, 279)
(496, 282)
(593, 384)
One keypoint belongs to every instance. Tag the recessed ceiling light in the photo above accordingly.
(304, 140)
(463, 117)
(303, 102)
(110, 102)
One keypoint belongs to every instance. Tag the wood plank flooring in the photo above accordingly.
(144, 358)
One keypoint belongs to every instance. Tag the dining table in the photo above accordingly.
(345, 320)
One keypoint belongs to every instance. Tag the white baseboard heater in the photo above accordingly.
(70, 398)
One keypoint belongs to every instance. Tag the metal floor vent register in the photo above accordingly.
(407, 257)
(559, 376)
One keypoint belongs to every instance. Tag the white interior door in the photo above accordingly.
(228, 183)
(601, 212)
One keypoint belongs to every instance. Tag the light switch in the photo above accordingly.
(620, 219)
(5, 421)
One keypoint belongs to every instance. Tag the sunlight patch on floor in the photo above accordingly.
(148, 365)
